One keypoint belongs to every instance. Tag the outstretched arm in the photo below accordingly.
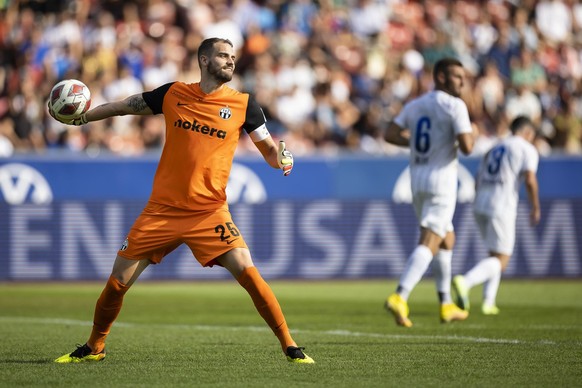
(132, 105)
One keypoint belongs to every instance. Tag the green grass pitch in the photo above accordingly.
(207, 334)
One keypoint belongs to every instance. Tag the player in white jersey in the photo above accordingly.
(434, 126)
(502, 170)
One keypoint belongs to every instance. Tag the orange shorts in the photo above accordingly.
(160, 229)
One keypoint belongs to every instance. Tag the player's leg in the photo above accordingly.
(442, 263)
(419, 259)
(441, 267)
(503, 229)
(215, 239)
(499, 236)
(151, 237)
(416, 266)
(460, 285)
(487, 272)
(502, 234)
(125, 272)
(483, 271)
(431, 236)
(491, 285)
(238, 261)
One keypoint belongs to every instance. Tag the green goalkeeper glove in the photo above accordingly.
(284, 159)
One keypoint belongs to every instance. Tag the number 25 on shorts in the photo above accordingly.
(227, 232)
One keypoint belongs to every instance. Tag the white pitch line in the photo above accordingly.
(340, 333)
(349, 333)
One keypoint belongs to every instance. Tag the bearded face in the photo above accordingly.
(220, 72)
(454, 80)
(220, 65)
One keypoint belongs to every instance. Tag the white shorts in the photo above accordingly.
(498, 232)
(435, 212)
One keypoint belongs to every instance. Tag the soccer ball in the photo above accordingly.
(69, 99)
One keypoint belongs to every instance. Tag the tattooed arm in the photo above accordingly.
(132, 105)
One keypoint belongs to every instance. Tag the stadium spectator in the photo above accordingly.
(522, 101)
(525, 71)
(483, 33)
(367, 18)
(554, 20)
(6, 147)
(502, 52)
(568, 128)
(522, 32)
(490, 87)
(91, 41)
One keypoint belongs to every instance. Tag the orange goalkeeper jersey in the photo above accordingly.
(202, 133)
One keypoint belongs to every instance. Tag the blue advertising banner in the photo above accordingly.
(332, 218)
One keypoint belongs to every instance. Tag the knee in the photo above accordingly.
(120, 277)
(448, 242)
(236, 261)
(503, 260)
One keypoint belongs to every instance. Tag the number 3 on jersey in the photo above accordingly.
(494, 159)
(422, 135)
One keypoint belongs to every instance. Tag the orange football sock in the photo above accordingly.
(106, 311)
(266, 304)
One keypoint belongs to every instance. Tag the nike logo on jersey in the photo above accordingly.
(182, 103)
(231, 241)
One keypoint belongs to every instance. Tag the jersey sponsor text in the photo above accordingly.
(195, 126)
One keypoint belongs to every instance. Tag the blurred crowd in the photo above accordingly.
(329, 74)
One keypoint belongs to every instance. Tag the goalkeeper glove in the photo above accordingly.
(81, 120)
(284, 159)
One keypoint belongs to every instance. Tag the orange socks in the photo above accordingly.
(106, 310)
(266, 304)
(109, 305)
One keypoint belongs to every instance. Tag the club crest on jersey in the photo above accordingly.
(225, 113)
(124, 245)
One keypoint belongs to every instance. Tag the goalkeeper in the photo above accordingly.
(204, 122)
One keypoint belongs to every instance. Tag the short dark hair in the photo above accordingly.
(519, 123)
(207, 46)
(443, 64)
